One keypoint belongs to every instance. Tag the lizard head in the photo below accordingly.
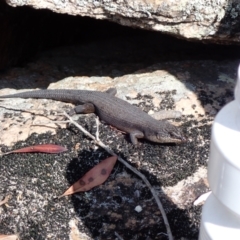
(167, 134)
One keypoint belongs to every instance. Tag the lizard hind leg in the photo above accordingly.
(84, 108)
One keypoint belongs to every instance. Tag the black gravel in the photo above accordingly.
(35, 180)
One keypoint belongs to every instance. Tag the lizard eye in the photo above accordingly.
(161, 135)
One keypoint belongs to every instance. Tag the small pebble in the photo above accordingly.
(138, 209)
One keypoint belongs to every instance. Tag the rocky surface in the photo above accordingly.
(195, 81)
(210, 21)
(27, 31)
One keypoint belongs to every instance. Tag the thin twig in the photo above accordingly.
(33, 111)
(40, 123)
(110, 151)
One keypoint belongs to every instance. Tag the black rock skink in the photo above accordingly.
(113, 111)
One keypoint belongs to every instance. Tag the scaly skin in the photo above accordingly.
(113, 111)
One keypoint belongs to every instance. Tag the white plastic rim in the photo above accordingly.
(224, 162)
(237, 89)
(218, 223)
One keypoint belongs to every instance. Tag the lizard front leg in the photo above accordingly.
(134, 135)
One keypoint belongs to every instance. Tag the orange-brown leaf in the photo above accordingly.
(44, 148)
(94, 177)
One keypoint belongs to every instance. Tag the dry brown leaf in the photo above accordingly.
(94, 177)
(8, 237)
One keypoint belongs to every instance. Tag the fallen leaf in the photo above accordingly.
(44, 148)
(8, 237)
(94, 177)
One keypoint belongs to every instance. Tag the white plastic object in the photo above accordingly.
(237, 89)
(217, 223)
(224, 162)
(221, 211)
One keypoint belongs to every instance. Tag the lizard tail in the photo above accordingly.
(59, 95)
